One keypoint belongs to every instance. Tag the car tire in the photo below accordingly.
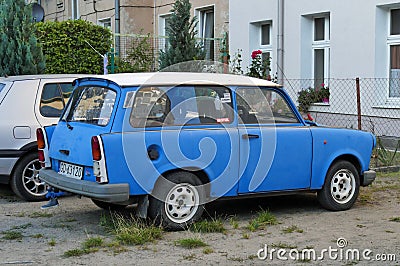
(108, 206)
(177, 201)
(341, 187)
(25, 181)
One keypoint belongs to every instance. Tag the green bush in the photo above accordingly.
(66, 49)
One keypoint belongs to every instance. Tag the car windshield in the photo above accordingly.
(91, 105)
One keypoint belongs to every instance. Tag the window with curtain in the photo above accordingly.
(207, 31)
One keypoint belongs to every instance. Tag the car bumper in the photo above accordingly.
(105, 192)
(6, 165)
(369, 177)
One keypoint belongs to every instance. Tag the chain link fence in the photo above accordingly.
(354, 103)
(214, 48)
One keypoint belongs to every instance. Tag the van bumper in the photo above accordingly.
(113, 193)
(369, 177)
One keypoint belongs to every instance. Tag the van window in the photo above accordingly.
(92, 105)
(183, 105)
(263, 106)
(54, 98)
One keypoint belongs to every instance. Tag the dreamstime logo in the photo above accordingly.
(177, 140)
(340, 253)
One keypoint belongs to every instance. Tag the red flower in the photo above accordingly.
(255, 53)
(322, 85)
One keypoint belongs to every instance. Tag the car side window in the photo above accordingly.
(263, 106)
(182, 105)
(54, 98)
(2, 86)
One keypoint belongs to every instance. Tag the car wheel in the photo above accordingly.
(342, 184)
(108, 206)
(25, 180)
(177, 201)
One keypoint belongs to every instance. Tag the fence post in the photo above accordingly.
(358, 102)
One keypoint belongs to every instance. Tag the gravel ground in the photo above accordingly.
(43, 237)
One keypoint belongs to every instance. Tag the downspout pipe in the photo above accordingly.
(117, 30)
(280, 41)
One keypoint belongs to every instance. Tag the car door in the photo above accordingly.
(184, 127)
(275, 146)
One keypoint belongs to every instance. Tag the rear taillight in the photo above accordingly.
(99, 163)
(96, 152)
(41, 157)
(43, 150)
(40, 139)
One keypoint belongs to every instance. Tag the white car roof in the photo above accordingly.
(174, 78)
(41, 76)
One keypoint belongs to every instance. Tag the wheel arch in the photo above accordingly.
(199, 173)
(351, 159)
(25, 150)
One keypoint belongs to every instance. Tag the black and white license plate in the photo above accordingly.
(71, 170)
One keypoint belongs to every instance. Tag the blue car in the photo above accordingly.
(172, 142)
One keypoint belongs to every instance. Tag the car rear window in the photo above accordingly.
(91, 105)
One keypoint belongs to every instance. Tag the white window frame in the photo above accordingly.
(162, 31)
(74, 7)
(391, 41)
(103, 21)
(266, 46)
(322, 45)
(200, 13)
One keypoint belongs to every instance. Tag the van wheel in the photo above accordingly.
(108, 206)
(25, 180)
(177, 201)
(341, 188)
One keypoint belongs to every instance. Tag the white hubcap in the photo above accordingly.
(343, 185)
(182, 203)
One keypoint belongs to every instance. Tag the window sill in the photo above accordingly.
(321, 104)
(387, 106)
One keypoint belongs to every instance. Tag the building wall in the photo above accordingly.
(357, 43)
(136, 16)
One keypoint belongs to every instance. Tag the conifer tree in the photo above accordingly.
(181, 33)
(20, 53)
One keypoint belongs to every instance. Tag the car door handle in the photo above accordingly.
(250, 136)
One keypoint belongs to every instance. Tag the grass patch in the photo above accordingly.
(208, 250)
(93, 242)
(133, 231)
(292, 229)
(12, 235)
(91, 245)
(234, 223)
(74, 253)
(245, 236)
(40, 215)
(395, 219)
(263, 219)
(37, 236)
(23, 226)
(52, 242)
(207, 226)
(190, 243)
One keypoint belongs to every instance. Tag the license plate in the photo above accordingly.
(71, 170)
